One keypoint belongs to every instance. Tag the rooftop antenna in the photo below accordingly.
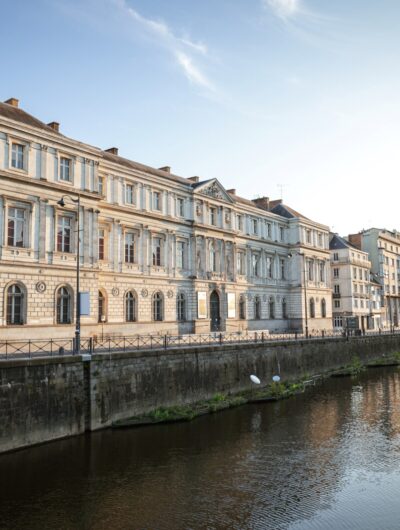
(281, 186)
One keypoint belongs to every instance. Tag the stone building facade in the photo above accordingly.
(354, 300)
(158, 253)
(383, 247)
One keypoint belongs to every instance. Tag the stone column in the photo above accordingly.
(43, 162)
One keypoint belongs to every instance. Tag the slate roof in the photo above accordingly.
(17, 114)
(337, 242)
(285, 211)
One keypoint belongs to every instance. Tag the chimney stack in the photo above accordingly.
(54, 125)
(13, 102)
(194, 179)
(232, 191)
(167, 169)
(112, 150)
(262, 202)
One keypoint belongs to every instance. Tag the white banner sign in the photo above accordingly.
(201, 305)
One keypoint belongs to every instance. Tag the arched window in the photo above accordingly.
(242, 308)
(257, 308)
(284, 308)
(64, 306)
(323, 308)
(312, 308)
(130, 306)
(271, 307)
(15, 305)
(181, 307)
(101, 306)
(213, 258)
(158, 307)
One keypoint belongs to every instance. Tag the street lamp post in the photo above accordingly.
(61, 202)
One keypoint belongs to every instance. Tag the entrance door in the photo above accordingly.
(214, 311)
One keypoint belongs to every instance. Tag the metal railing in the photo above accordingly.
(115, 344)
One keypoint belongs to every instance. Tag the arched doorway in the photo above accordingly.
(215, 311)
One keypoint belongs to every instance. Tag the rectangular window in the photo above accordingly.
(239, 222)
(282, 266)
(180, 207)
(320, 240)
(337, 304)
(157, 251)
(157, 200)
(254, 225)
(336, 289)
(360, 274)
(64, 225)
(180, 255)
(101, 243)
(281, 233)
(240, 262)
(338, 322)
(336, 273)
(356, 303)
(354, 273)
(213, 216)
(17, 156)
(311, 270)
(254, 264)
(322, 271)
(16, 227)
(101, 186)
(308, 236)
(269, 267)
(335, 256)
(65, 169)
(129, 248)
(269, 230)
(130, 194)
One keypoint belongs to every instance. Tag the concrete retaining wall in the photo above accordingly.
(45, 399)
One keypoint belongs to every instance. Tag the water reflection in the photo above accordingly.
(327, 459)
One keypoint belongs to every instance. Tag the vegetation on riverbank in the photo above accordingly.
(271, 392)
(218, 402)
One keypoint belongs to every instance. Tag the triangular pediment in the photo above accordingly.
(214, 189)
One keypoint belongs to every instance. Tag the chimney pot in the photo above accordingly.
(54, 125)
(262, 202)
(112, 150)
(167, 169)
(194, 179)
(13, 102)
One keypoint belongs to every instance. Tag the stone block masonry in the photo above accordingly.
(46, 399)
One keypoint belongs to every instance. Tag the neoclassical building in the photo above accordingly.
(354, 288)
(158, 253)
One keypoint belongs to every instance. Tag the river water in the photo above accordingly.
(326, 459)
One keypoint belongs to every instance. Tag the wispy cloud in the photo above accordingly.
(182, 48)
(284, 9)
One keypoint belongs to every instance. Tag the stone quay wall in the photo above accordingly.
(49, 398)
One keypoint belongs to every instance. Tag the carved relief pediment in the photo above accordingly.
(215, 190)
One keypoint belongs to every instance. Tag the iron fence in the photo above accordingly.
(114, 344)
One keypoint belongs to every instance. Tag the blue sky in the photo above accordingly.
(265, 95)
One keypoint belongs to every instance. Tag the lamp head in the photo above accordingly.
(61, 202)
